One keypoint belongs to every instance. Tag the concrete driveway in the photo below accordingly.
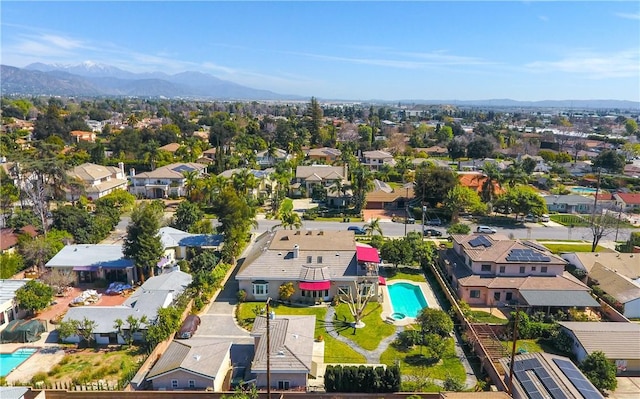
(628, 388)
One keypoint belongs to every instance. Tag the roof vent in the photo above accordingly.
(321, 233)
(309, 232)
(279, 253)
(280, 353)
(197, 357)
(284, 238)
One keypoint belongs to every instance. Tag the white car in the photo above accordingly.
(486, 230)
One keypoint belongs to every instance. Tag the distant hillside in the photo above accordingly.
(90, 79)
(567, 104)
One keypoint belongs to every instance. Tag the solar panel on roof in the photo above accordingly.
(480, 241)
(582, 384)
(535, 245)
(526, 255)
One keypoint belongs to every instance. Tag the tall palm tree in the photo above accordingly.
(362, 183)
(132, 120)
(243, 181)
(191, 181)
(374, 226)
(491, 179)
(515, 174)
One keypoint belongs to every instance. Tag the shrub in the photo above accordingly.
(241, 295)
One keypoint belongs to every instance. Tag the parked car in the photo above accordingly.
(189, 327)
(486, 230)
(410, 220)
(545, 218)
(531, 218)
(357, 230)
(434, 222)
(432, 233)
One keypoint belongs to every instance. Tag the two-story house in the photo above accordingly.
(169, 180)
(324, 154)
(318, 263)
(267, 159)
(261, 184)
(492, 270)
(316, 179)
(375, 159)
(97, 180)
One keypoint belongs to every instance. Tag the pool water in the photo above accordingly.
(584, 190)
(406, 299)
(9, 361)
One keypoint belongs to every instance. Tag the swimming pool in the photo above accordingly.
(584, 190)
(407, 300)
(9, 361)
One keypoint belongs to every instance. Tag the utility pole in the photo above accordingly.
(406, 212)
(268, 352)
(513, 351)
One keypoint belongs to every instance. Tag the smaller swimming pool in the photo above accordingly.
(407, 300)
(584, 190)
(9, 361)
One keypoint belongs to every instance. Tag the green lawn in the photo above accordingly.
(568, 220)
(479, 316)
(410, 364)
(372, 333)
(406, 273)
(570, 247)
(334, 350)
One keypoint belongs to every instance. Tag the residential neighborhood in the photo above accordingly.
(401, 244)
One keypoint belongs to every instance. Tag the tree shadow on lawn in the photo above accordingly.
(419, 359)
(338, 325)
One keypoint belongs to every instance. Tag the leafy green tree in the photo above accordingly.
(361, 184)
(459, 228)
(457, 149)
(38, 251)
(287, 216)
(396, 251)
(373, 226)
(600, 371)
(630, 126)
(444, 134)
(34, 296)
(9, 194)
(435, 321)
(314, 115)
(286, 291)
(236, 217)
(75, 220)
(187, 215)
(433, 183)
(609, 160)
(528, 165)
(521, 200)
(10, 264)
(479, 148)
(452, 384)
(205, 261)
(167, 323)
(462, 199)
(142, 243)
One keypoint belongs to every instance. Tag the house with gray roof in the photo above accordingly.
(9, 309)
(97, 180)
(318, 263)
(156, 293)
(268, 158)
(175, 243)
(94, 261)
(618, 341)
(195, 364)
(375, 159)
(493, 270)
(622, 288)
(571, 203)
(165, 181)
(264, 186)
(290, 351)
(318, 178)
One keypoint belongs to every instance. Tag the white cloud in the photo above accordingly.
(624, 15)
(621, 64)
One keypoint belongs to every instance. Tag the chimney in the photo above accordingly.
(121, 166)
(296, 251)
(132, 172)
(272, 315)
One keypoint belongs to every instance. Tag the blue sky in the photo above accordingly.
(534, 50)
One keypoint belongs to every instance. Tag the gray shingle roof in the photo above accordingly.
(172, 237)
(201, 356)
(291, 343)
(558, 298)
(101, 255)
(616, 340)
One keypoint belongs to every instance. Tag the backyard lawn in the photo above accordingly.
(405, 273)
(414, 367)
(570, 247)
(478, 316)
(334, 350)
(369, 336)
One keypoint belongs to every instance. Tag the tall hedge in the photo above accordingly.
(362, 379)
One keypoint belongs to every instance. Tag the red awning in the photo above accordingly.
(382, 281)
(315, 285)
(367, 254)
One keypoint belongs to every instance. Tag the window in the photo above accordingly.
(533, 268)
(509, 296)
(521, 269)
(174, 384)
(283, 384)
(309, 259)
(496, 296)
(344, 290)
(192, 383)
(260, 289)
(319, 259)
(543, 269)
(475, 294)
(485, 268)
(502, 269)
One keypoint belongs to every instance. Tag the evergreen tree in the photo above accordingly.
(143, 243)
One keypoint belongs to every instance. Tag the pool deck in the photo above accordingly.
(387, 308)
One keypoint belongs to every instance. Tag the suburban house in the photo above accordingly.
(9, 237)
(624, 290)
(171, 147)
(169, 180)
(266, 159)
(544, 375)
(290, 353)
(318, 178)
(626, 201)
(578, 169)
(9, 309)
(324, 154)
(492, 270)
(384, 196)
(94, 261)
(157, 292)
(175, 243)
(79, 135)
(194, 364)
(475, 181)
(97, 180)
(618, 342)
(318, 263)
(570, 203)
(375, 159)
(434, 151)
(264, 186)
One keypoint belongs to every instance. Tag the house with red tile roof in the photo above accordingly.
(9, 237)
(79, 135)
(475, 180)
(627, 201)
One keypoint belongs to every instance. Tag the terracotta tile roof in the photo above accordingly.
(9, 236)
(475, 181)
(629, 199)
(171, 147)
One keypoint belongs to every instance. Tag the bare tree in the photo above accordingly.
(601, 226)
(357, 298)
(59, 279)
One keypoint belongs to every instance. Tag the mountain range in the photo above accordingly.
(90, 79)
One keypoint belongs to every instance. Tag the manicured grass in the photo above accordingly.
(479, 316)
(374, 331)
(411, 366)
(334, 350)
(405, 273)
(529, 345)
(569, 247)
(91, 365)
(568, 220)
